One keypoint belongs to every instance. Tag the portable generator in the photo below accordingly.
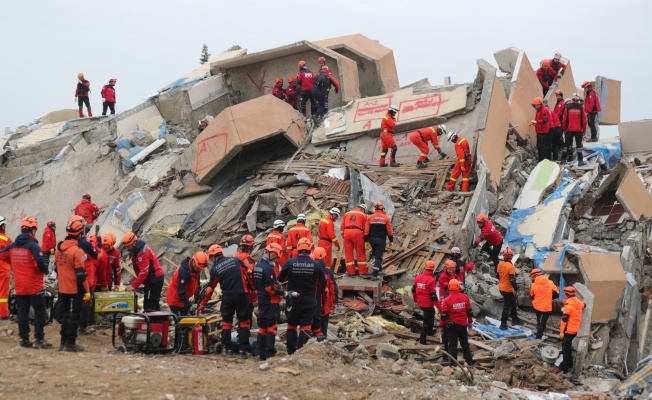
(147, 332)
(201, 334)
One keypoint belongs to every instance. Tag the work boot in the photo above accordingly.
(81, 113)
(394, 164)
(242, 355)
(228, 353)
(383, 165)
(516, 321)
(427, 160)
(41, 344)
(89, 330)
(90, 113)
(61, 347)
(471, 362)
(25, 343)
(503, 326)
(73, 348)
(421, 165)
(593, 139)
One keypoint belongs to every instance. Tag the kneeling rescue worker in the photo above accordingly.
(185, 284)
(269, 297)
(422, 137)
(148, 271)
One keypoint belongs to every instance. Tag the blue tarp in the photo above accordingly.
(609, 149)
(499, 334)
(183, 82)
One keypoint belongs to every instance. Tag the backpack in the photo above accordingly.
(322, 80)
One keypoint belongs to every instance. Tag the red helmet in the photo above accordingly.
(215, 250)
(319, 253)
(200, 259)
(304, 245)
(321, 60)
(28, 222)
(481, 218)
(247, 240)
(430, 265)
(76, 225)
(274, 248)
(129, 239)
(453, 284)
(87, 197)
(508, 254)
(52, 224)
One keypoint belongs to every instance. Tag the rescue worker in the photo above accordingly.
(296, 233)
(323, 66)
(560, 110)
(542, 123)
(278, 90)
(446, 276)
(457, 315)
(569, 326)
(49, 240)
(542, 292)
(148, 271)
(352, 228)
(235, 281)
(387, 126)
(214, 252)
(291, 93)
(81, 95)
(556, 136)
(574, 124)
(326, 234)
(461, 265)
(244, 254)
(377, 229)
(493, 238)
(185, 284)
(462, 163)
(113, 268)
(305, 82)
(304, 276)
(592, 108)
(424, 293)
(321, 89)
(329, 297)
(277, 236)
(90, 267)
(269, 297)
(558, 66)
(87, 209)
(108, 97)
(5, 272)
(322, 62)
(421, 137)
(102, 274)
(546, 76)
(507, 287)
(73, 285)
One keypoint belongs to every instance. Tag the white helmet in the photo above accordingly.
(363, 206)
(442, 129)
(450, 136)
(335, 210)
(557, 56)
(576, 96)
(392, 109)
(456, 250)
(301, 217)
(278, 224)
(3, 221)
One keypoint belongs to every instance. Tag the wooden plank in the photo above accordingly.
(481, 345)
(421, 347)
(338, 264)
(373, 341)
(397, 272)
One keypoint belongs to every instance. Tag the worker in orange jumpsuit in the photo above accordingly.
(326, 234)
(569, 326)
(462, 164)
(87, 209)
(421, 137)
(542, 292)
(377, 229)
(507, 287)
(5, 272)
(277, 236)
(299, 231)
(352, 229)
(387, 125)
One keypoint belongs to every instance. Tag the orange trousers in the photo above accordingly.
(457, 171)
(328, 246)
(354, 240)
(415, 138)
(5, 277)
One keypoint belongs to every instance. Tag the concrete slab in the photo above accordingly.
(507, 59)
(609, 92)
(524, 88)
(191, 188)
(58, 116)
(605, 278)
(45, 132)
(128, 121)
(634, 196)
(152, 125)
(544, 175)
(635, 136)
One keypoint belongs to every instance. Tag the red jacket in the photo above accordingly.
(102, 276)
(82, 88)
(305, 79)
(557, 65)
(146, 265)
(546, 77)
(27, 263)
(328, 297)
(387, 124)
(591, 102)
(326, 230)
(291, 94)
(90, 262)
(490, 234)
(458, 307)
(49, 241)
(108, 93)
(444, 278)
(560, 109)
(183, 285)
(113, 269)
(424, 290)
(278, 91)
(543, 119)
(554, 121)
(88, 210)
(574, 118)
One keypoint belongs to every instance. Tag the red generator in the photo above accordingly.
(147, 332)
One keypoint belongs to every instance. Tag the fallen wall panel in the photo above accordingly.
(524, 88)
(635, 136)
(609, 92)
(634, 196)
(606, 279)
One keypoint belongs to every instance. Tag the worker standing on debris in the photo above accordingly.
(446, 276)
(542, 123)
(113, 267)
(148, 271)
(421, 137)
(323, 82)
(424, 293)
(387, 126)
(462, 163)
(5, 272)
(108, 97)
(296, 233)
(235, 282)
(269, 297)
(49, 240)
(574, 124)
(352, 228)
(546, 76)
(322, 295)
(461, 265)
(291, 93)
(323, 66)
(592, 108)
(569, 326)
(87, 209)
(326, 234)
(185, 284)
(493, 239)
(73, 285)
(377, 229)
(278, 237)
(304, 276)
(329, 296)
(244, 254)
(278, 90)
(556, 136)
(457, 314)
(542, 292)
(560, 110)
(305, 82)
(558, 66)
(81, 95)
(507, 287)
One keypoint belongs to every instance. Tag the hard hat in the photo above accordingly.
(586, 84)
(50, 224)
(3, 221)
(508, 254)
(80, 75)
(278, 224)
(200, 259)
(442, 129)
(430, 265)
(28, 222)
(92, 238)
(481, 218)
(392, 109)
(569, 291)
(321, 60)
(319, 253)
(535, 272)
(456, 250)
(557, 56)
(274, 248)
(292, 79)
(302, 63)
(112, 236)
(75, 225)
(379, 206)
(450, 264)
(450, 136)
(559, 93)
(278, 79)
(363, 206)
(112, 80)
(576, 96)
(247, 240)
(108, 241)
(301, 217)
(129, 239)
(453, 284)
(545, 63)
(537, 101)
(335, 210)
(304, 244)
(214, 250)
(86, 197)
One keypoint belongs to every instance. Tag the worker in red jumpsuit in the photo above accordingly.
(48, 242)
(559, 110)
(445, 277)
(574, 124)
(278, 90)
(556, 136)
(377, 229)
(269, 297)
(81, 95)
(108, 97)
(277, 236)
(297, 232)
(326, 234)
(87, 321)
(558, 66)
(542, 122)
(291, 93)
(424, 293)
(457, 315)
(113, 267)
(305, 82)
(352, 228)
(321, 89)
(592, 108)
(102, 275)
(462, 163)
(87, 209)
(421, 137)
(5, 272)
(493, 238)
(328, 301)
(148, 271)
(387, 125)
(461, 265)
(546, 76)
(185, 284)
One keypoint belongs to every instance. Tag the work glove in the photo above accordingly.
(192, 310)
(86, 298)
(200, 310)
(561, 336)
(531, 123)
(437, 316)
(442, 154)
(337, 90)
(75, 99)
(51, 251)
(390, 245)
(116, 288)
(367, 246)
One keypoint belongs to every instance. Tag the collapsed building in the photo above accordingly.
(213, 156)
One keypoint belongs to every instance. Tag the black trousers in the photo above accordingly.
(591, 121)
(304, 96)
(428, 323)
(238, 305)
(87, 315)
(109, 105)
(542, 320)
(301, 317)
(324, 324)
(457, 333)
(81, 100)
(567, 351)
(179, 311)
(577, 137)
(556, 141)
(377, 249)
(267, 328)
(153, 295)
(494, 252)
(509, 306)
(543, 145)
(71, 305)
(320, 98)
(37, 302)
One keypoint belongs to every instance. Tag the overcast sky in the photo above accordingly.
(147, 44)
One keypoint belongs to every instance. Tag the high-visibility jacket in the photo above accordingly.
(572, 310)
(299, 231)
(27, 263)
(355, 219)
(462, 150)
(505, 270)
(379, 226)
(70, 258)
(326, 230)
(541, 292)
(387, 124)
(430, 135)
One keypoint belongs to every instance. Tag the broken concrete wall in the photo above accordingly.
(524, 88)
(635, 136)
(127, 121)
(479, 205)
(58, 116)
(634, 196)
(608, 90)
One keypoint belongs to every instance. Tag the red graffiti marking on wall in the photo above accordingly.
(406, 149)
(210, 151)
(429, 106)
(260, 85)
(17, 217)
(372, 110)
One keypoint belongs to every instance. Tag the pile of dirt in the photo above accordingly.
(527, 372)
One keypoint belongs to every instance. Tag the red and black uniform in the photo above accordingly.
(305, 81)
(327, 238)
(556, 136)
(88, 210)
(304, 276)
(269, 296)
(102, 275)
(377, 229)
(278, 91)
(462, 165)
(113, 269)
(81, 94)
(557, 66)
(574, 124)
(542, 127)
(546, 76)
(445, 277)
(5, 278)
(321, 88)
(462, 267)
(90, 266)
(421, 137)
(592, 108)
(72, 287)
(108, 95)
(183, 285)
(148, 272)
(299, 231)
(329, 298)
(457, 315)
(424, 293)
(249, 262)
(560, 108)
(292, 95)
(49, 241)
(352, 228)
(493, 241)
(336, 83)
(278, 237)
(387, 126)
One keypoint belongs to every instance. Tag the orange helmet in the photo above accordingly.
(215, 250)
(108, 241)
(292, 79)
(129, 239)
(481, 218)
(92, 238)
(200, 259)
(111, 235)
(450, 264)
(430, 265)
(274, 248)
(379, 206)
(319, 253)
(28, 223)
(569, 291)
(302, 63)
(508, 254)
(75, 225)
(278, 79)
(80, 75)
(545, 63)
(535, 272)
(321, 60)
(304, 244)
(586, 84)
(453, 284)
(247, 240)
(537, 101)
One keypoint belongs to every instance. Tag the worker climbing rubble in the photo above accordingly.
(87, 209)
(185, 284)
(462, 163)
(493, 239)
(376, 232)
(546, 76)
(421, 138)
(321, 89)
(558, 66)
(507, 287)
(326, 234)
(352, 228)
(305, 82)
(387, 142)
(542, 292)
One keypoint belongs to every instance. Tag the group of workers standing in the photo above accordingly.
(83, 90)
